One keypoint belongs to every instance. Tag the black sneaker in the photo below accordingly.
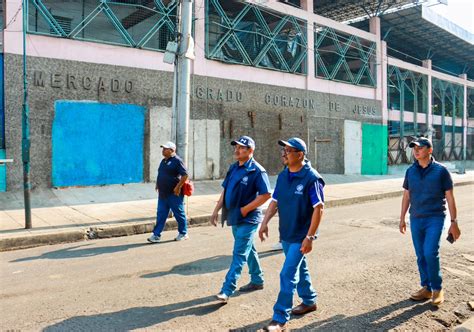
(250, 287)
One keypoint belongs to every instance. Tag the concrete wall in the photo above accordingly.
(221, 110)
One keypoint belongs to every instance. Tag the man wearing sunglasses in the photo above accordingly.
(246, 188)
(299, 200)
(171, 176)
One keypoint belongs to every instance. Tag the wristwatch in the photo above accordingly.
(311, 237)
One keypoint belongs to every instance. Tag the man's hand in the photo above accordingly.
(156, 189)
(402, 226)
(177, 190)
(243, 212)
(454, 230)
(214, 217)
(306, 246)
(263, 232)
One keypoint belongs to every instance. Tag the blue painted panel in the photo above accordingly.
(3, 173)
(96, 144)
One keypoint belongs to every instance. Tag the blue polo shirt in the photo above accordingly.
(242, 184)
(169, 174)
(297, 194)
(427, 187)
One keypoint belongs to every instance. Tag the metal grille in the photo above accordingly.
(147, 24)
(448, 99)
(342, 57)
(246, 34)
(407, 92)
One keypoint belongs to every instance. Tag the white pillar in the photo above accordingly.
(429, 112)
(464, 124)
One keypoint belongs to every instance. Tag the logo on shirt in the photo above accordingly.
(299, 189)
(168, 163)
(245, 179)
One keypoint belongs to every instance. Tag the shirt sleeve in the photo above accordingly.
(446, 181)
(405, 181)
(275, 193)
(181, 168)
(316, 193)
(263, 184)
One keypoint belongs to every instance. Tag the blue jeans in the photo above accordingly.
(244, 252)
(293, 276)
(426, 235)
(176, 204)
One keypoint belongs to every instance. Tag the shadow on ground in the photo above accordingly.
(382, 319)
(136, 318)
(80, 252)
(205, 265)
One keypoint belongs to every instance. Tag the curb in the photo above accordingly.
(103, 232)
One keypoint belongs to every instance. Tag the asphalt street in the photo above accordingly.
(362, 268)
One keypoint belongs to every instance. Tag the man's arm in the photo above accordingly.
(307, 245)
(405, 204)
(454, 228)
(271, 211)
(258, 201)
(177, 188)
(218, 207)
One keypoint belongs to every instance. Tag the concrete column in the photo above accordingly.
(307, 5)
(429, 114)
(464, 125)
(384, 82)
(375, 27)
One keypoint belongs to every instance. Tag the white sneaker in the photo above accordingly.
(277, 246)
(181, 237)
(154, 239)
(222, 297)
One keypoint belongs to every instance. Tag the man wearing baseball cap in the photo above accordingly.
(171, 176)
(299, 200)
(246, 188)
(428, 186)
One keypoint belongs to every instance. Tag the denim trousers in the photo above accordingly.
(176, 204)
(426, 235)
(294, 276)
(244, 252)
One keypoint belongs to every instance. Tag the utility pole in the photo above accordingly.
(185, 56)
(25, 143)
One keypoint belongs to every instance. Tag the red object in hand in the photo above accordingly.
(188, 188)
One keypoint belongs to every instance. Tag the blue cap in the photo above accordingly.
(294, 142)
(245, 141)
(421, 141)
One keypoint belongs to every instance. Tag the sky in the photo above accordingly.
(460, 12)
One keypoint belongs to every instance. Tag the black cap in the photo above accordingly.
(421, 141)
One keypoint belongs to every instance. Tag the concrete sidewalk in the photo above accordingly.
(76, 214)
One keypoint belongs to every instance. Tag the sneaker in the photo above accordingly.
(154, 239)
(438, 297)
(181, 237)
(277, 246)
(421, 295)
(275, 326)
(250, 287)
(222, 297)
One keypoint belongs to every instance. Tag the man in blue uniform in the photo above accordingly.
(171, 176)
(428, 185)
(246, 188)
(299, 200)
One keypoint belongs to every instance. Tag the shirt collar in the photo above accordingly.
(429, 164)
(302, 172)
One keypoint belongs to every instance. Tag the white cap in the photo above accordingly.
(169, 145)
